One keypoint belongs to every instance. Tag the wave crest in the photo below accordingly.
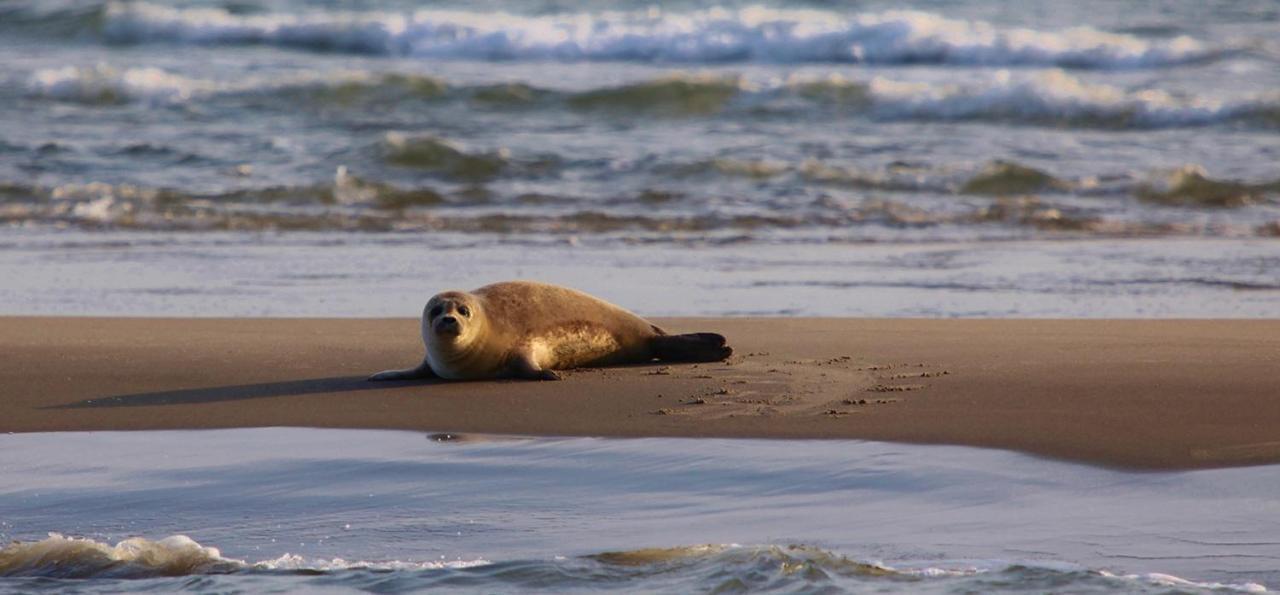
(713, 568)
(751, 34)
(680, 95)
(1004, 177)
(1052, 97)
(71, 557)
(136, 558)
(1055, 97)
(1190, 185)
(1007, 193)
(443, 157)
(105, 85)
(736, 568)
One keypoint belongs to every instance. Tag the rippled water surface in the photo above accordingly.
(801, 121)
(1075, 159)
(391, 511)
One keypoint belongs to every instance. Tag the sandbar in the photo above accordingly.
(1139, 394)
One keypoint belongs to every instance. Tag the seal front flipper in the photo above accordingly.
(693, 347)
(523, 366)
(422, 371)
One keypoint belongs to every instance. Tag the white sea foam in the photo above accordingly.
(1168, 580)
(708, 36)
(1055, 95)
(1052, 95)
(106, 84)
(179, 555)
(1155, 578)
(296, 562)
(137, 557)
(1046, 95)
(74, 557)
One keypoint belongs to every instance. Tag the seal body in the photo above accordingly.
(523, 329)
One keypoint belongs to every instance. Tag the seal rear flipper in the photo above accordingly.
(693, 347)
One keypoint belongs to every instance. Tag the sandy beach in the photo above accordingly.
(1170, 394)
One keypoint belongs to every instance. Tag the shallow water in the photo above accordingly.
(346, 510)
(320, 274)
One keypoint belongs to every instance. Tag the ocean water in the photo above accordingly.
(1128, 152)
(968, 158)
(275, 509)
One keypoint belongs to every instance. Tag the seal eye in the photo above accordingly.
(465, 311)
(436, 311)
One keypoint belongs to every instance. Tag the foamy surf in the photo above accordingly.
(1053, 97)
(1173, 582)
(985, 198)
(714, 567)
(63, 557)
(753, 34)
(103, 84)
(1056, 96)
(59, 556)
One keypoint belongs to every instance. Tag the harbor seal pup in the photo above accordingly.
(522, 329)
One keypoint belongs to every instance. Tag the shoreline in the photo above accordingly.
(1137, 394)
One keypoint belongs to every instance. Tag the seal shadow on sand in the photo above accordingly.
(746, 385)
(267, 390)
(240, 392)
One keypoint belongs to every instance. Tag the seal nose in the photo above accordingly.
(448, 326)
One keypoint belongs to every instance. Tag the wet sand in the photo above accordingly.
(1165, 394)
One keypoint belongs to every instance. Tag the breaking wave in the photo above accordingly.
(1056, 97)
(1191, 185)
(752, 34)
(1006, 194)
(1051, 97)
(105, 85)
(1003, 178)
(686, 95)
(713, 568)
(64, 557)
(444, 157)
(70, 557)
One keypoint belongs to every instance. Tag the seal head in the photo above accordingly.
(457, 337)
(451, 317)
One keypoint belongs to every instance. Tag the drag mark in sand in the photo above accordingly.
(751, 385)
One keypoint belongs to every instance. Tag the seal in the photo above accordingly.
(523, 329)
